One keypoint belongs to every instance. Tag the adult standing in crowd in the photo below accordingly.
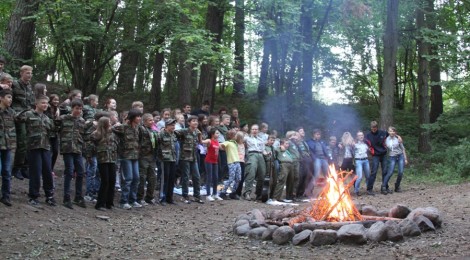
(255, 166)
(203, 110)
(376, 141)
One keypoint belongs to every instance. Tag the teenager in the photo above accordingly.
(7, 143)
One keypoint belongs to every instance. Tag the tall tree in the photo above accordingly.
(437, 107)
(423, 82)
(239, 77)
(156, 90)
(390, 59)
(19, 37)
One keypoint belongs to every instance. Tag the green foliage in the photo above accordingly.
(451, 127)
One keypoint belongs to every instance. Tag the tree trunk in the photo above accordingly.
(239, 77)
(306, 21)
(380, 75)
(390, 59)
(19, 36)
(423, 85)
(214, 24)
(184, 77)
(263, 76)
(156, 91)
(437, 107)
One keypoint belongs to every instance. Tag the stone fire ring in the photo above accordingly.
(393, 225)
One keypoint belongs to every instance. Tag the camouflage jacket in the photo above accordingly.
(148, 147)
(166, 150)
(7, 129)
(128, 136)
(105, 149)
(89, 112)
(38, 129)
(23, 96)
(90, 127)
(189, 141)
(71, 130)
(294, 150)
(303, 149)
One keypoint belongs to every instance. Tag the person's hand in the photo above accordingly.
(406, 161)
(4, 86)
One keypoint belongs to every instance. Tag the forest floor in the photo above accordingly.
(199, 231)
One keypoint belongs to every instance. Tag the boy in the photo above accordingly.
(293, 177)
(147, 162)
(167, 155)
(38, 127)
(90, 109)
(139, 105)
(272, 165)
(319, 153)
(7, 142)
(188, 164)
(72, 128)
(6, 81)
(286, 162)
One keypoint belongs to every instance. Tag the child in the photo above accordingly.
(271, 163)
(128, 134)
(292, 180)
(286, 162)
(167, 156)
(212, 167)
(90, 109)
(105, 150)
(234, 169)
(139, 105)
(396, 154)
(347, 151)
(53, 113)
(6, 81)
(71, 130)
(241, 155)
(65, 108)
(166, 113)
(38, 127)
(7, 142)
(147, 161)
(361, 160)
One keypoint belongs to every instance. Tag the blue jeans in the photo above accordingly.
(212, 170)
(130, 181)
(362, 168)
(190, 169)
(73, 163)
(376, 160)
(320, 165)
(40, 165)
(92, 176)
(392, 160)
(5, 169)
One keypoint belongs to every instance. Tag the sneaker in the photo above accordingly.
(6, 201)
(17, 174)
(234, 196)
(68, 204)
(150, 202)
(209, 198)
(217, 197)
(185, 200)
(198, 200)
(33, 202)
(163, 203)
(223, 195)
(118, 189)
(125, 206)
(136, 204)
(287, 200)
(398, 189)
(80, 202)
(357, 193)
(389, 191)
(371, 193)
(383, 191)
(247, 196)
(51, 202)
(100, 208)
(89, 198)
(143, 203)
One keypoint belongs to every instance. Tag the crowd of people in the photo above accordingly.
(138, 153)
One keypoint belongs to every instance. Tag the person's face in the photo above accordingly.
(270, 141)
(181, 120)
(42, 105)
(77, 111)
(6, 100)
(78, 95)
(226, 121)
(216, 122)
(2, 66)
(140, 108)
(112, 104)
(26, 75)
(205, 121)
(216, 135)
(205, 108)
(245, 129)
(187, 109)
(332, 142)
(166, 115)
(193, 124)
(316, 136)
(265, 130)
(392, 132)
(254, 130)
(94, 102)
(374, 129)
(177, 112)
(8, 82)
(156, 118)
(55, 101)
(149, 122)
(137, 120)
(286, 145)
(235, 113)
(170, 128)
(223, 112)
(360, 136)
(301, 133)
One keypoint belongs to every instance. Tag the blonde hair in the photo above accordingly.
(25, 68)
(239, 137)
(347, 139)
(289, 134)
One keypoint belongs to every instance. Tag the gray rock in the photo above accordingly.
(243, 230)
(257, 233)
(409, 228)
(399, 211)
(352, 234)
(393, 231)
(377, 232)
(256, 223)
(243, 216)
(301, 237)
(283, 235)
(424, 223)
(369, 210)
(268, 233)
(322, 237)
(240, 222)
(257, 214)
(430, 213)
(383, 213)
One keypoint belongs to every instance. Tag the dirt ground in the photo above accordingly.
(198, 231)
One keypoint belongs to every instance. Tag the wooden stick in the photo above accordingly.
(339, 200)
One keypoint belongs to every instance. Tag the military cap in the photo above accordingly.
(170, 121)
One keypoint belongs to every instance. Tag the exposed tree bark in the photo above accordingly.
(263, 77)
(19, 36)
(306, 21)
(390, 59)
(214, 24)
(437, 107)
(380, 74)
(184, 77)
(423, 85)
(239, 78)
(156, 91)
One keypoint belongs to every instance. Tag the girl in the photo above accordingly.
(362, 161)
(234, 168)
(179, 122)
(347, 150)
(211, 163)
(396, 154)
(53, 113)
(214, 122)
(241, 154)
(65, 108)
(105, 149)
(40, 89)
(202, 150)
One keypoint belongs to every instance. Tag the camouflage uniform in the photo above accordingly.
(23, 99)
(89, 112)
(286, 161)
(39, 128)
(306, 167)
(188, 161)
(147, 162)
(166, 152)
(293, 178)
(105, 152)
(7, 144)
(91, 164)
(128, 151)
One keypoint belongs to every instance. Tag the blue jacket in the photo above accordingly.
(311, 146)
(376, 142)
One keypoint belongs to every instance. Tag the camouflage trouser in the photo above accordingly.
(20, 160)
(285, 169)
(292, 180)
(147, 175)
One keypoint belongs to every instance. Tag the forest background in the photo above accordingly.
(329, 64)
